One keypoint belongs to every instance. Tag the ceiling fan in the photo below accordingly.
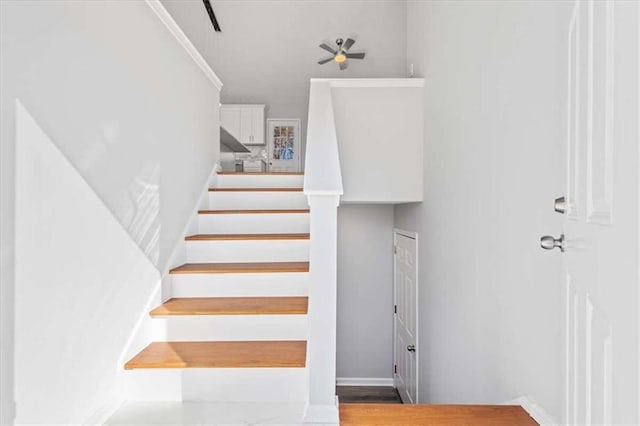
(341, 53)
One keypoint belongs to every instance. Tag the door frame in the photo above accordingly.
(413, 235)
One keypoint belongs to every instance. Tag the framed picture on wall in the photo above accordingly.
(283, 144)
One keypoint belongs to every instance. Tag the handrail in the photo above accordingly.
(322, 175)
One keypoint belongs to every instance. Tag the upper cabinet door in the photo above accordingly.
(230, 120)
(244, 122)
(246, 128)
(257, 120)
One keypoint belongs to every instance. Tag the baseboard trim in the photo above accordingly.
(324, 415)
(364, 381)
(536, 412)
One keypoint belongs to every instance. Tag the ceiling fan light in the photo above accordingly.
(340, 58)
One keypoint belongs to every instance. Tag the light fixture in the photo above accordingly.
(340, 57)
(341, 54)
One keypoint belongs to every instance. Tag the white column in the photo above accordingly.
(322, 405)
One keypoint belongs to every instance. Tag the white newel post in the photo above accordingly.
(321, 347)
(323, 187)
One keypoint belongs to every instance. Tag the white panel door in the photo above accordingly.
(405, 353)
(601, 222)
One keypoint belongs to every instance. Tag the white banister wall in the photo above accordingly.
(323, 187)
(373, 128)
(379, 124)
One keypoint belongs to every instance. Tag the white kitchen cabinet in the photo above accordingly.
(244, 122)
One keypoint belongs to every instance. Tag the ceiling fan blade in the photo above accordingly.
(355, 55)
(343, 65)
(347, 44)
(328, 48)
(324, 61)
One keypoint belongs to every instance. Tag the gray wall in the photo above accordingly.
(268, 50)
(365, 291)
(490, 299)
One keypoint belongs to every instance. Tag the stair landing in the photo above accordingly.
(436, 415)
(192, 413)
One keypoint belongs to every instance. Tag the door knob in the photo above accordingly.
(560, 205)
(549, 243)
(411, 348)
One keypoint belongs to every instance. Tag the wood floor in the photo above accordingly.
(435, 415)
(368, 394)
(381, 405)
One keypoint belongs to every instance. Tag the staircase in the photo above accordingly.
(235, 328)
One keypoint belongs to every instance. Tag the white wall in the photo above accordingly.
(490, 298)
(268, 50)
(137, 120)
(365, 291)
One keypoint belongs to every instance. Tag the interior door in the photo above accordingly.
(600, 223)
(283, 145)
(405, 373)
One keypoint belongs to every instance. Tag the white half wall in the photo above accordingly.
(365, 293)
(81, 285)
(379, 128)
(491, 312)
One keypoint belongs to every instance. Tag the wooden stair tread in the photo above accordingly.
(268, 211)
(221, 355)
(424, 414)
(241, 237)
(238, 268)
(232, 306)
(255, 189)
(263, 173)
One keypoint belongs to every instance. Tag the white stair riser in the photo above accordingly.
(239, 285)
(257, 200)
(218, 384)
(248, 251)
(260, 181)
(202, 328)
(154, 384)
(254, 223)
